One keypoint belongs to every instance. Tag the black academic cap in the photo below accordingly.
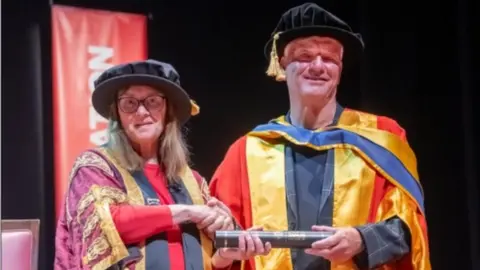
(306, 20)
(159, 75)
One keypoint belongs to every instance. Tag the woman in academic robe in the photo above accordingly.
(134, 203)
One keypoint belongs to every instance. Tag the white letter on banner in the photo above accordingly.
(97, 63)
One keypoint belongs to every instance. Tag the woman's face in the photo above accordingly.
(142, 110)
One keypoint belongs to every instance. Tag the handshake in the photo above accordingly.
(216, 216)
(211, 217)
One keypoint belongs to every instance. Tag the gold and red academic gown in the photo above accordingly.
(87, 236)
(374, 179)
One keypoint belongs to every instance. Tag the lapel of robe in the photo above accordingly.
(290, 190)
(325, 210)
(292, 214)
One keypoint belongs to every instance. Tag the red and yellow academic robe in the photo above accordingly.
(375, 178)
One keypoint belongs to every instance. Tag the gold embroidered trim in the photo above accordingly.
(135, 197)
(197, 194)
(98, 247)
(100, 194)
(110, 235)
(92, 222)
(205, 190)
(92, 159)
(86, 159)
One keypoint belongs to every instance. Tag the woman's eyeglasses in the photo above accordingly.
(131, 104)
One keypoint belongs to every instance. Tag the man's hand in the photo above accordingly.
(219, 206)
(340, 247)
(249, 245)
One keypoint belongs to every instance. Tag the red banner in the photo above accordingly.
(85, 43)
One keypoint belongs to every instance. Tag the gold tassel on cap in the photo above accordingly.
(274, 68)
(195, 108)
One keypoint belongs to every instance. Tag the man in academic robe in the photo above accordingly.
(322, 166)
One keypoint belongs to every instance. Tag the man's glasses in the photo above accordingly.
(131, 104)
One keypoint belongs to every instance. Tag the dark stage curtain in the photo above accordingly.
(27, 156)
(418, 69)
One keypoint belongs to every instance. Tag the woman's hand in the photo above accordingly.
(249, 245)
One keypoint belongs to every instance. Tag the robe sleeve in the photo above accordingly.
(229, 184)
(230, 181)
(63, 244)
(384, 241)
(134, 222)
(94, 242)
(389, 241)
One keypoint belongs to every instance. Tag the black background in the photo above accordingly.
(418, 69)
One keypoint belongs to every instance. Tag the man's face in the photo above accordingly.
(313, 67)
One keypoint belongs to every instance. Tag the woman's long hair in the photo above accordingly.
(172, 154)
